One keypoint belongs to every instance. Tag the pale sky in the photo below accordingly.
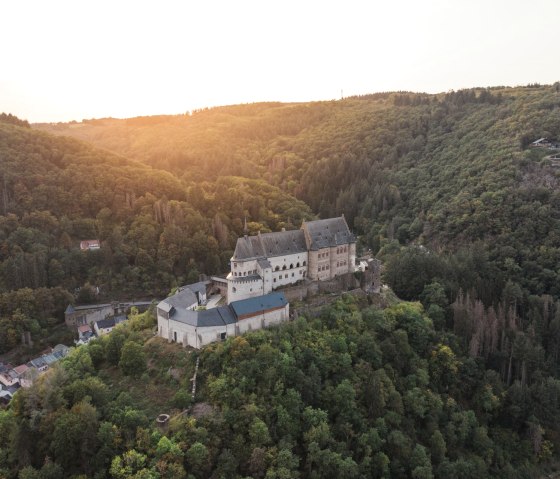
(73, 59)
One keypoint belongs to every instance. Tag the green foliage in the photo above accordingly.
(133, 359)
(305, 400)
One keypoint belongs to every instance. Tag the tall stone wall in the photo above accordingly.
(308, 289)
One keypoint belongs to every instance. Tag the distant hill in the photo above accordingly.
(442, 170)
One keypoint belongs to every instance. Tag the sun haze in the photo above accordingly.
(68, 60)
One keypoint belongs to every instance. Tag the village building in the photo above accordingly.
(13, 378)
(179, 322)
(545, 143)
(105, 326)
(320, 250)
(90, 245)
(87, 314)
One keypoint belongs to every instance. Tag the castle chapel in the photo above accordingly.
(319, 250)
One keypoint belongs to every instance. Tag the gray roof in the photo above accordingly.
(264, 263)
(62, 348)
(38, 362)
(177, 306)
(182, 299)
(106, 323)
(327, 233)
(258, 304)
(199, 287)
(50, 358)
(268, 245)
(205, 318)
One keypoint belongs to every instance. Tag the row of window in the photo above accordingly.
(302, 272)
(245, 273)
(341, 263)
(323, 268)
(339, 250)
(277, 268)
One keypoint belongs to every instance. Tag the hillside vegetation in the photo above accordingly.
(443, 188)
(443, 170)
(356, 392)
(156, 230)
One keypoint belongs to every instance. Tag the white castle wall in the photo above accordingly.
(292, 273)
(198, 337)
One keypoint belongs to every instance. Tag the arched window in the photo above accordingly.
(305, 263)
(283, 267)
(297, 264)
(292, 266)
(277, 268)
(234, 289)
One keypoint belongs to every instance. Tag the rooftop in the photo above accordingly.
(327, 233)
(259, 304)
(106, 323)
(268, 245)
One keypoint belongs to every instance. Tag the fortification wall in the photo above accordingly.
(308, 289)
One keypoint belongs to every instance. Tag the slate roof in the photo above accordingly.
(106, 323)
(50, 358)
(38, 363)
(199, 287)
(327, 233)
(177, 305)
(182, 299)
(264, 263)
(258, 304)
(205, 318)
(5, 394)
(313, 235)
(268, 245)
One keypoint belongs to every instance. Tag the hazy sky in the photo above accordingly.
(74, 59)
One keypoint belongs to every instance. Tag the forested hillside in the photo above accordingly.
(156, 230)
(444, 188)
(444, 171)
(356, 392)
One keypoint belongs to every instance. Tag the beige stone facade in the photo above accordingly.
(320, 250)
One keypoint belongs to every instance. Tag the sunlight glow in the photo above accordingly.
(65, 60)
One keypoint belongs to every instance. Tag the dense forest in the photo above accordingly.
(156, 230)
(445, 189)
(354, 392)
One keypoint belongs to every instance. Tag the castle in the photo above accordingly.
(319, 251)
